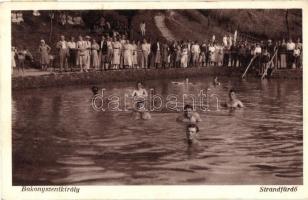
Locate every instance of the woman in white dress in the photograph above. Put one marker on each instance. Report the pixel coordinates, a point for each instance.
(116, 53)
(184, 56)
(94, 54)
(212, 54)
(220, 55)
(127, 54)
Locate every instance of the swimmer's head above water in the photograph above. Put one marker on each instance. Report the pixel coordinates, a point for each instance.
(94, 90)
(232, 95)
(192, 133)
(139, 85)
(188, 111)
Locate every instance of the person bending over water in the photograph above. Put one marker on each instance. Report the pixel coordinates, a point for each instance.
(233, 101)
(140, 95)
(189, 115)
(192, 134)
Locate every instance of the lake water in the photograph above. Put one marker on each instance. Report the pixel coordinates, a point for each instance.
(59, 139)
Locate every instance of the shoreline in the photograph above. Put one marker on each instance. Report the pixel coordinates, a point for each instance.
(54, 79)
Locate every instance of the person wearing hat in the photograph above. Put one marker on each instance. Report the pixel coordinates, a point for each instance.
(63, 53)
(44, 50)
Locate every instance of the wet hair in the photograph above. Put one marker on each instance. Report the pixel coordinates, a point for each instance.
(193, 126)
(231, 90)
(94, 90)
(187, 106)
(138, 83)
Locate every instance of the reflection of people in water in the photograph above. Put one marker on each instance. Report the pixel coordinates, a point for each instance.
(140, 95)
(189, 115)
(216, 82)
(192, 133)
(233, 101)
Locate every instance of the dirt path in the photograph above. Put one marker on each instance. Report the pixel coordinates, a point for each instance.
(160, 23)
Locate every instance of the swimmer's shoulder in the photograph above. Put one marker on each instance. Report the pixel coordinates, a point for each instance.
(197, 117)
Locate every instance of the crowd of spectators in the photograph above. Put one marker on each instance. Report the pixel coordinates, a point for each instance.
(114, 51)
(118, 52)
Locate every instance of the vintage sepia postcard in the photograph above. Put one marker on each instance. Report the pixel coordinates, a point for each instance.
(153, 100)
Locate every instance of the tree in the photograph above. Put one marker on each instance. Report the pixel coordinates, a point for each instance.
(287, 22)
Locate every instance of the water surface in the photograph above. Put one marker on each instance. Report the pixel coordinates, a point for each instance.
(58, 138)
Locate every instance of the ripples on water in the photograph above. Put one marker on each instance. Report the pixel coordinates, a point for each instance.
(59, 139)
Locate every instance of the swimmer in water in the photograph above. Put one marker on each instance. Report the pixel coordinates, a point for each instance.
(140, 95)
(189, 115)
(233, 101)
(216, 82)
(192, 131)
(94, 90)
(186, 82)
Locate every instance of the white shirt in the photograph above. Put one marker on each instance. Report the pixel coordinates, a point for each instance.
(88, 45)
(296, 52)
(195, 48)
(212, 49)
(81, 45)
(71, 45)
(257, 50)
(225, 41)
(63, 44)
(290, 46)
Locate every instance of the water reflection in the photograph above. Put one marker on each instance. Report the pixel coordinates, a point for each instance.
(59, 139)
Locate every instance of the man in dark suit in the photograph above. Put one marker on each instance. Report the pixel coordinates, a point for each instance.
(103, 53)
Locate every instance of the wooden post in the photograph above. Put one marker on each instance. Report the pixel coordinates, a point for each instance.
(244, 74)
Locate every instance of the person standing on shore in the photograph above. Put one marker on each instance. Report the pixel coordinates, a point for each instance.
(145, 53)
(81, 47)
(72, 53)
(127, 55)
(134, 55)
(109, 52)
(184, 56)
(63, 53)
(94, 55)
(195, 50)
(140, 60)
(282, 50)
(103, 53)
(116, 53)
(88, 52)
(14, 52)
(44, 50)
(290, 50)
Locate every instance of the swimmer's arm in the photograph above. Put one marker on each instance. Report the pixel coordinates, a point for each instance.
(198, 118)
(134, 93)
(145, 93)
(240, 104)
